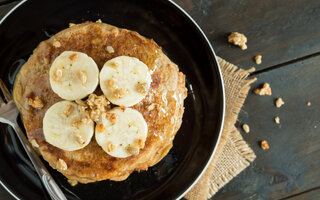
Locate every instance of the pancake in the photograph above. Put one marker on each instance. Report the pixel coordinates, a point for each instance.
(162, 108)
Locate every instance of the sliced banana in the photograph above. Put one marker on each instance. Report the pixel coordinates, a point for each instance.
(65, 128)
(73, 75)
(125, 80)
(123, 133)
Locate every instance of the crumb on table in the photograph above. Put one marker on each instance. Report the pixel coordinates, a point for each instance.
(277, 120)
(265, 90)
(279, 102)
(264, 145)
(246, 128)
(258, 59)
(238, 39)
(308, 103)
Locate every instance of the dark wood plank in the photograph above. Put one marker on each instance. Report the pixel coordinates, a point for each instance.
(278, 30)
(5, 8)
(312, 195)
(4, 194)
(291, 165)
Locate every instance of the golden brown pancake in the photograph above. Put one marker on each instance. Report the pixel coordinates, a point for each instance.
(167, 93)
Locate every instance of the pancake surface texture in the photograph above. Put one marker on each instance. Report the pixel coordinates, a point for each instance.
(162, 108)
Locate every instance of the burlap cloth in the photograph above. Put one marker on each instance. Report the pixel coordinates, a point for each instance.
(233, 154)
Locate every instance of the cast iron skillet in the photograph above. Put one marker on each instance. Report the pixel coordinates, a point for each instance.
(31, 22)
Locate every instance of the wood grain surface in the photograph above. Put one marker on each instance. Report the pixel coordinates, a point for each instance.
(287, 35)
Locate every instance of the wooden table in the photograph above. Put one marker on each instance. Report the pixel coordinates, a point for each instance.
(287, 35)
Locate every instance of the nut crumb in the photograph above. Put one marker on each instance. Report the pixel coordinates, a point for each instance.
(277, 120)
(151, 106)
(36, 102)
(264, 145)
(110, 49)
(258, 59)
(315, 126)
(71, 24)
(308, 103)
(133, 150)
(34, 143)
(123, 108)
(120, 93)
(101, 128)
(99, 21)
(246, 128)
(110, 147)
(142, 88)
(68, 110)
(72, 182)
(140, 143)
(56, 44)
(238, 39)
(62, 165)
(279, 102)
(73, 56)
(265, 90)
(83, 77)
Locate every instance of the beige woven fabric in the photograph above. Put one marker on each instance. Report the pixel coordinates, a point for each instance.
(233, 154)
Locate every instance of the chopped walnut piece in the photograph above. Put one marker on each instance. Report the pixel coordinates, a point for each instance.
(79, 138)
(142, 87)
(101, 128)
(97, 102)
(71, 24)
(110, 49)
(308, 103)
(151, 106)
(279, 102)
(34, 143)
(56, 44)
(114, 65)
(238, 39)
(120, 93)
(57, 75)
(73, 56)
(111, 84)
(258, 59)
(36, 102)
(246, 128)
(264, 145)
(62, 165)
(133, 150)
(83, 77)
(72, 182)
(99, 21)
(68, 110)
(110, 147)
(277, 120)
(265, 90)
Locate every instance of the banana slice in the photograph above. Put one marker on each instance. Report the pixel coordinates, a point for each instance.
(73, 75)
(125, 80)
(65, 128)
(123, 133)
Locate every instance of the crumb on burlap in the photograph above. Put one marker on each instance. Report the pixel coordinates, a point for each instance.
(238, 39)
(265, 90)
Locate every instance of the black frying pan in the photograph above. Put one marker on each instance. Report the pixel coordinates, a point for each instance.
(185, 44)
